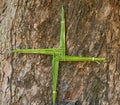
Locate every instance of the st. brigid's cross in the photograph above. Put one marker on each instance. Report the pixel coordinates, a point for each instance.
(58, 55)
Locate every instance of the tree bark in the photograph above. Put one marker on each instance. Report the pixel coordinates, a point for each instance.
(92, 29)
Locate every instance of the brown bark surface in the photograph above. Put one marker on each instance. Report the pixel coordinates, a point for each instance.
(92, 29)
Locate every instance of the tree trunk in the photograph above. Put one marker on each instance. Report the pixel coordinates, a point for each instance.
(92, 29)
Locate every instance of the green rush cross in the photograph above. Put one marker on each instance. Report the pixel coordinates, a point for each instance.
(58, 55)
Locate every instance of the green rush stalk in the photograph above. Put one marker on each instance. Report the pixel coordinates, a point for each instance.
(58, 55)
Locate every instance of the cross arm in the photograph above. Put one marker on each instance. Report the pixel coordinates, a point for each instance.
(75, 58)
(62, 33)
(37, 51)
(55, 65)
(49, 51)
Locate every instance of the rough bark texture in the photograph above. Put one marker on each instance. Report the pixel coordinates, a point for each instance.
(92, 29)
